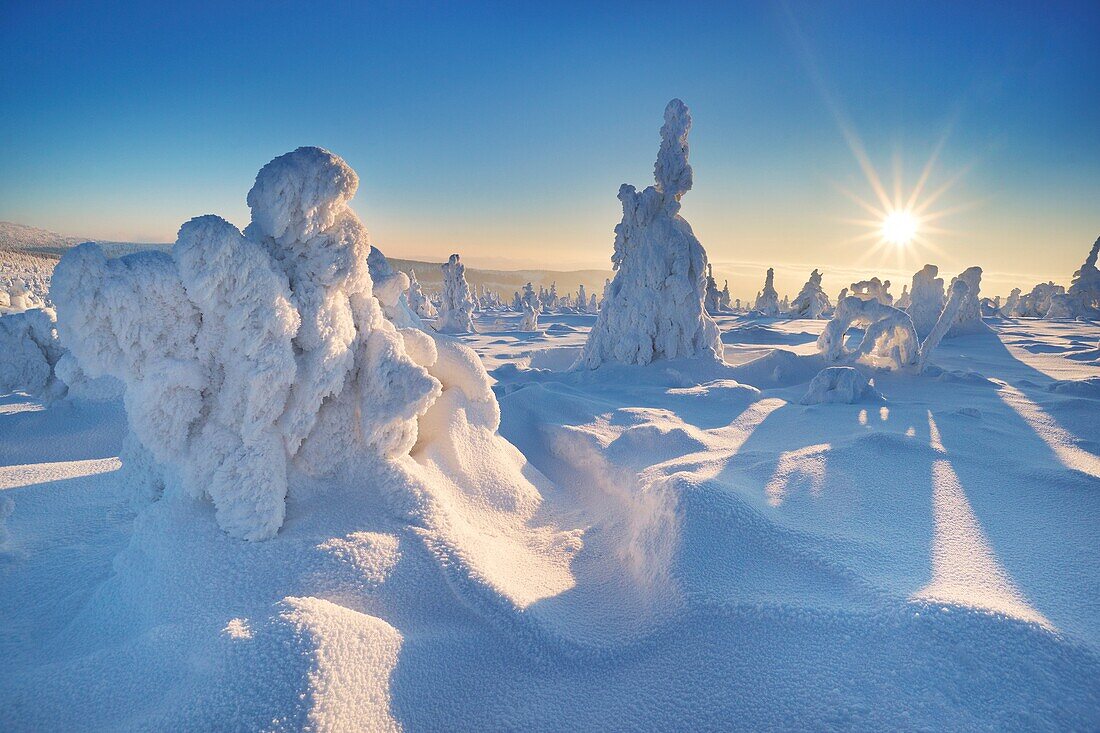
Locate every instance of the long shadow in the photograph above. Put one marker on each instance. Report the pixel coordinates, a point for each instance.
(1041, 517)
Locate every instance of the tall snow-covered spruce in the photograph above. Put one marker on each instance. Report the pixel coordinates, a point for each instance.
(653, 309)
(767, 301)
(245, 357)
(457, 307)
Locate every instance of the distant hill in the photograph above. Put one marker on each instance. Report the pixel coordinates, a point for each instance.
(32, 240)
(507, 282)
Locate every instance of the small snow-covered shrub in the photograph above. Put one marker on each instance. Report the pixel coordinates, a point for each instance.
(457, 307)
(29, 350)
(840, 384)
(654, 307)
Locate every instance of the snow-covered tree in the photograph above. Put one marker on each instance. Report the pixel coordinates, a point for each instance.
(1036, 303)
(592, 306)
(767, 300)
(417, 300)
(654, 308)
(712, 299)
(926, 299)
(724, 296)
(969, 318)
(904, 300)
(873, 289)
(811, 301)
(1083, 295)
(457, 305)
(1013, 302)
(582, 299)
(241, 354)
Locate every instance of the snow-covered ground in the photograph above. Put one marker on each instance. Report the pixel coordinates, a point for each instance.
(707, 553)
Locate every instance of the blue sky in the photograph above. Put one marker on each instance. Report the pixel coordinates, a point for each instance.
(503, 131)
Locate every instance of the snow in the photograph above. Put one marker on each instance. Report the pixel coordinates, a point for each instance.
(457, 306)
(653, 309)
(767, 301)
(811, 301)
(840, 384)
(926, 299)
(969, 317)
(467, 532)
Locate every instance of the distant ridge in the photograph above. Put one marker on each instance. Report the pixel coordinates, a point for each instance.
(32, 240)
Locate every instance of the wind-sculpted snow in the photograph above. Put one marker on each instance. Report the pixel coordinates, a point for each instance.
(653, 309)
(926, 299)
(873, 289)
(240, 353)
(29, 351)
(840, 385)
(968, 320)
(889, 338)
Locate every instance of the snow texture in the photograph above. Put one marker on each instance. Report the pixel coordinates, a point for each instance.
(767, 300)
(873, 289)
(457, 307)
(889, 339)
(811, 301)
(241, 353)
(1083, 296)
(969, 318)
(653, 309)
(926, 299)
(840, 384)
(29, 351)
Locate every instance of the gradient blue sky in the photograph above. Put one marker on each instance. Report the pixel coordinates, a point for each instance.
(503, 131)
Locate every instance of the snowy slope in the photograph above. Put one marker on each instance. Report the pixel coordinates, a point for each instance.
(735, 560)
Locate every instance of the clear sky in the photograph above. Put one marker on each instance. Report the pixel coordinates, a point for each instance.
(502, 131)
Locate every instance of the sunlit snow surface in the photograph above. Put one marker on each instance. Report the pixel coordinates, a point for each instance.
(738, 560)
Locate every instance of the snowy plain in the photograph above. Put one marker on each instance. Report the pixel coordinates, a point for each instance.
(707, 553)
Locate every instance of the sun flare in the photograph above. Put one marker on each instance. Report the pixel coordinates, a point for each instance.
(899, 228)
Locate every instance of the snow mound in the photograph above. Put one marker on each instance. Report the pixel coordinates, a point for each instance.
(653, 309)
(28, 342)
(840, 385)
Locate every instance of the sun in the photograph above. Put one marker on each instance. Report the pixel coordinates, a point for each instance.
(899, 228)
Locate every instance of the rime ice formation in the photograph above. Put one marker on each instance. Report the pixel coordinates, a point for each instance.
(712, 300)
(29, 351)
(767, 300)
(903, 300)
(889, 337)
(969, 319)
(958, 293)
(926, 299)
(654, 308)
(873, 289)
(1010, 306)
(1060, 309)
(244, 355)
(840, 384)
(593, 307)
(1036, 303)
(582, 299)
(1083, 295)
(457, 306)
(417, 300)
(724, 296)
(531, 306)
(811, 301)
